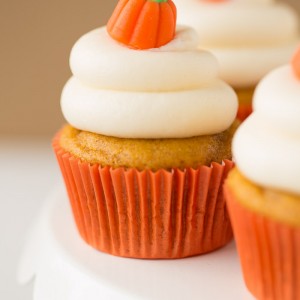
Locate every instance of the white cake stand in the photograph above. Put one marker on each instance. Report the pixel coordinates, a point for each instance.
(65, 268)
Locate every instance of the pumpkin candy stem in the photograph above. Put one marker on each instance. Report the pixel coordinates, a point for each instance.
(143, 24)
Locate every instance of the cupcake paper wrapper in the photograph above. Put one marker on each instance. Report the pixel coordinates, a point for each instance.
(145, 214)
(244, 111)
(269, 253)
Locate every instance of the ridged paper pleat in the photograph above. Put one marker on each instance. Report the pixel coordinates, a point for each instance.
(269, 253)
(145, 214)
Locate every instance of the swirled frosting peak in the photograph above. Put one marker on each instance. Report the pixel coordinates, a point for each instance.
(249, 37)
(167, 92)
(267, 145)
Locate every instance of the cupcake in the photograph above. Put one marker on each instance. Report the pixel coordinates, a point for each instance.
(249, 38)
(263, 191)
(148, 144)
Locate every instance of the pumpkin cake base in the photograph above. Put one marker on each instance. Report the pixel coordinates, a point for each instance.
(151, 154)
(277, 205)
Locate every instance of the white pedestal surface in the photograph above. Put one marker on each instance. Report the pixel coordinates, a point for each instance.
(65, 268)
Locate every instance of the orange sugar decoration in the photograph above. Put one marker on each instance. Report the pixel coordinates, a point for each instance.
(296, 63)
(143, 24)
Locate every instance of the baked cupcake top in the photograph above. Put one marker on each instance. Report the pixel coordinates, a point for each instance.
(266, 147)
(249, 37)
(125, 89)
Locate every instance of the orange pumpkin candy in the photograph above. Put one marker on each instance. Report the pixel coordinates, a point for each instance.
(296, 63)
(143, 24)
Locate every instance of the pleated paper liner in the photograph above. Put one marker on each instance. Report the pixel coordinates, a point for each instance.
(269, 253)
(244, 111)
(145, 214)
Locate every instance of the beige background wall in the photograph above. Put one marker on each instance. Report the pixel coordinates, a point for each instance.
(35, 41)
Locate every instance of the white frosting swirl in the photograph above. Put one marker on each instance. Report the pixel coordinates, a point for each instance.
(242, 33)
(245, 67)
(267, 145)
(150, 115)
(99, 61)
(168, 92)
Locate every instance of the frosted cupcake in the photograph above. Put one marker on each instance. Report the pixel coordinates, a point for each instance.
(149, 141)
(249, 38)
(263, 192)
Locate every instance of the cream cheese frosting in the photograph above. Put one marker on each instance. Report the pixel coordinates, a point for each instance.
(177, 114)
(266, 147)
(241, 33)
(99, 61)
(167, 92)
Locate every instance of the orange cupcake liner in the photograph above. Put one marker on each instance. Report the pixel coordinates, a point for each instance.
(244, 111)
(269, 253)
(145, 214)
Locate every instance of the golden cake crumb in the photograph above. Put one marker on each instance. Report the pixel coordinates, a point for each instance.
(151, 154)
(278, 205)
(245, 95)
